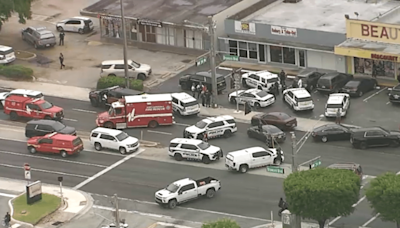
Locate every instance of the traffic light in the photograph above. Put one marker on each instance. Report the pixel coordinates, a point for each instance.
(247, 108)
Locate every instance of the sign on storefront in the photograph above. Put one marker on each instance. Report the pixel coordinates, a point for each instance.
(366, 54)
(245, 27)
(373, 31)
(145, 22)
(283, 31)
(391, 58)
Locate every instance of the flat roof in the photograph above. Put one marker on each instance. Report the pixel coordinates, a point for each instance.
(371, 45)
(173, 11)
(323, 15)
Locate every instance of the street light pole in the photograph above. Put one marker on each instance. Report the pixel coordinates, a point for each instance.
(294, 150)
(211, 32)
(125, 44)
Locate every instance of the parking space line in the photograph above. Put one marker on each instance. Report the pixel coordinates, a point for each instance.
(374, 94)
(52, 159)
(83, 110)
(182, 124)
(371, 220)
(72, 120)
(159, 132)
(45, 171)
(387, 102)
(339, 217)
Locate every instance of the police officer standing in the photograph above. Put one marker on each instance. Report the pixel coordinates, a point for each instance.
(62, 35)
(7, 220)
(282, 77)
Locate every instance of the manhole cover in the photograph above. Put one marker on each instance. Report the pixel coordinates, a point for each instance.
(186, 60)
(57, 223)
(82, 203)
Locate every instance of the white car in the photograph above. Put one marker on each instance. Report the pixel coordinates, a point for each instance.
(116, 68)
(254, 157)
(184, 104)
(113, 139)
(7, 54)
(299, 99)
(257, 98)
(76, 24)
(337, 101)
(262, 80)
(193, 149)
(20, 92)
(214, 127)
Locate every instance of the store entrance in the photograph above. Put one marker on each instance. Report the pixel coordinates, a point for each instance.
(375, 68)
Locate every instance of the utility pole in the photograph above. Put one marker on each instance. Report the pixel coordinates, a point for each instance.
(117, 222)
(125, 44)
(294, 150)
(211, 33)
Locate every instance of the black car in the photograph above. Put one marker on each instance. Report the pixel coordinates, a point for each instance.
(359, 86)
(109, 95)
(254, 132)
(333, 82)
(331, 132)
(43, 127)
(374, 137)
(188, 80)
(309, 78)
(394, 95)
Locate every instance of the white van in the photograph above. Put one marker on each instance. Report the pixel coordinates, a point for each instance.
(262, 80)
(337, 101)
(184, 104)
(7, 54)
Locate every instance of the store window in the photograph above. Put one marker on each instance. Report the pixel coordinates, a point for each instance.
(252, 51)
(148, 33)
(233, 47)
(375, 68)
(171, 36)
(133, 34)
(289, 55)
(275, 54)
(302, 58)
(243, 49)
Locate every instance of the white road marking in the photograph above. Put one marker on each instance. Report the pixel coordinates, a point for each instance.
(16, 140)
(371, 220)
(52, 159)
(359, 201)
(315, 91)
(182, 124)
(72, 120)
(7, 195)
(45, 171)
(99, 174)
(334, 220)
(172, 225)
(374, 94)
(159, 132)
(354, 205)
(83, 110)
(387, 102)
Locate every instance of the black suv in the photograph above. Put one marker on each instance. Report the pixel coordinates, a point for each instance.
(309, 78)
(187, 81)
(374, 137)
(333, 82)
(109, 95)
(43, 127)
(394, 94)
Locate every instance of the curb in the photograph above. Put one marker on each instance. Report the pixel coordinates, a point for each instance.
(26, 59)
(83, 211)
(12, 213)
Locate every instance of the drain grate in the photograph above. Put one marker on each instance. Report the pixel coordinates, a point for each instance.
(82, 203)
(57, 223)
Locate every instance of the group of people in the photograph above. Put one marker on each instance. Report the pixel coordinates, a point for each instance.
(200, 91)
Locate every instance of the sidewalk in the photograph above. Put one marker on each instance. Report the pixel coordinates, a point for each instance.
(76, 203)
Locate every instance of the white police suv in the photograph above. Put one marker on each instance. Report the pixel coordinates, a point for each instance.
(257, 98)
(193, 149)
(299, 99)
(214, 127)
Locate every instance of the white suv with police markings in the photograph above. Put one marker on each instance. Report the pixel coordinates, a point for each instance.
(262, 80)
(337, 101)
(213, 127)
(299, 99)
(184, 104)
(257, 98)
(193, 149)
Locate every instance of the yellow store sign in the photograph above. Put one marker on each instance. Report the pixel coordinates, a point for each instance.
(366, 54)
(373, 31)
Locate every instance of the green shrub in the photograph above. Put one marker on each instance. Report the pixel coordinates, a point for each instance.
(105, 82)
(16, 72)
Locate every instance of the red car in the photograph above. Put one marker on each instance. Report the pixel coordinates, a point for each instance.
(279, 119)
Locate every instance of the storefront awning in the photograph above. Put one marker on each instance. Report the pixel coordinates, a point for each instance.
(369, 50)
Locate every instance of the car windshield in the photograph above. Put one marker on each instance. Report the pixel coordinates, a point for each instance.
(201, 124)
(172, 187)
(111, 111)
(271, 129)
(324, 82)
(58, 126)
(334, 105)
(46, 105)
(188, 104)
(122, 136)
(77, 142)
(135, 64)
(262, 94)
(203, 145)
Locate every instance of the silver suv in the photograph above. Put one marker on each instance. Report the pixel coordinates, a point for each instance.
(39, 37)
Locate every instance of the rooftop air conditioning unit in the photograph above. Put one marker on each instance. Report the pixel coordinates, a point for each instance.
(293, 1)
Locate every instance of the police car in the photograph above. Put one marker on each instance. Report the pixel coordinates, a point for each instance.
(299, 99)
(213, 127)
(337, 101)
(193, 149)
(262, 80)
(255, 97)
(184, 104)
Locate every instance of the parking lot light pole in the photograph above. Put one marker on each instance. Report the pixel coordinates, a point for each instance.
(294, 149)
(125, 44)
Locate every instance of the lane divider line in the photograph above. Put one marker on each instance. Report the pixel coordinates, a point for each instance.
(159, 132)
(72, 120)
(83, 110)
(45, 171)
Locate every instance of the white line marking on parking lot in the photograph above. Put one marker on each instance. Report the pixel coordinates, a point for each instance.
(101, 173)
(52, 159)
(374, 94)
(182, 124)
(7, 195)
(45, 171)
(334, 220)
(72, 120)
(83, 110)
(387, 102)
(159, 132)
(371, 220)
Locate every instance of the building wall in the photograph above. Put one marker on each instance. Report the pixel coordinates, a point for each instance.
(324, 60)
(304, 36)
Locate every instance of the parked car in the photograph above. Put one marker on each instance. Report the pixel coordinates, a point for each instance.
(256, 98)
(107, 96)
(299, 99)
(39, 37)
(20, 92)
(279, 119)
(55, 143)
(114, 68)
(335, 102)
(333, 82)
(374, 137)
(204, 78)
(309, 78)
(262, 80)
(394, 94)
(75, 24)
(43, 127)
(266, 130)
(113, 139)
(331, 132)
(7, 54)
(359, 86)
(185, 190)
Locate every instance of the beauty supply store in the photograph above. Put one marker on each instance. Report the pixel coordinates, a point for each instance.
(372, 49)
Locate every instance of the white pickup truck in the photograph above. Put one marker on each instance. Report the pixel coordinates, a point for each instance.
(187, 189)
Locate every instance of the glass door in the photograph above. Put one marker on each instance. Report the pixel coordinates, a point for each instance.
(261, 53)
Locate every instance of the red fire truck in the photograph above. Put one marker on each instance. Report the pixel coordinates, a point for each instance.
(147, 110)
(18, 106)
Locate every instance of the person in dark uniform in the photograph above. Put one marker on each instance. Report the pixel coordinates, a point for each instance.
(276, 89)
(338, 117)
(203, 98)
(282, 77)
(61, 58)
(295, 83)
(62, 35)
(208, 98)
(7, 219)
(260, 126)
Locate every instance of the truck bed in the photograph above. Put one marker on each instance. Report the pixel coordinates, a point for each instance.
(204, 181)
